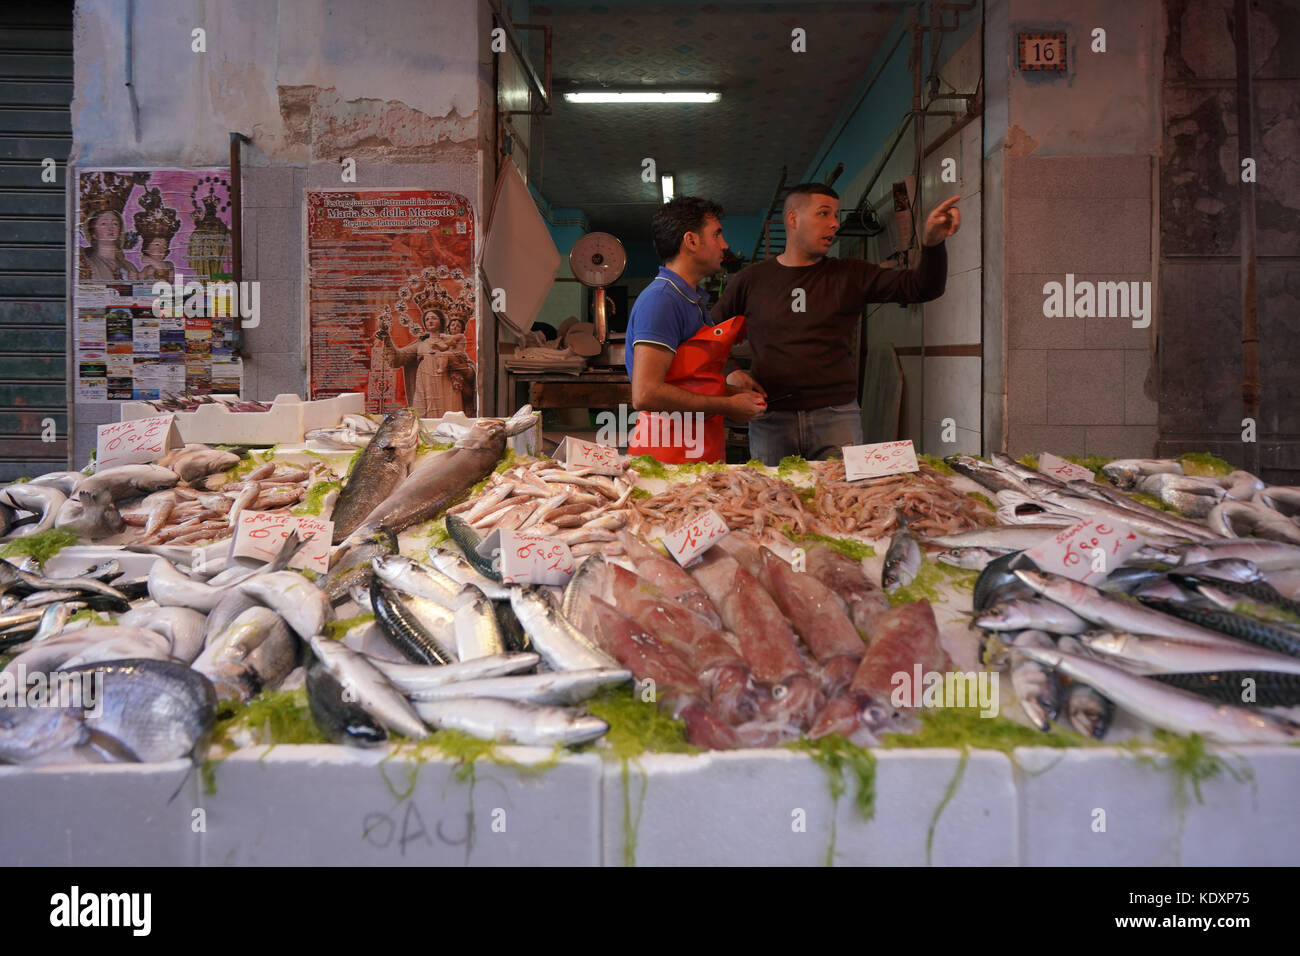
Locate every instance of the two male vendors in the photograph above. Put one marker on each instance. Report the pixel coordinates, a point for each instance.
(799, 309)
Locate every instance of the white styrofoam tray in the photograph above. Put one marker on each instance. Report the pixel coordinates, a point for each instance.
(288, 419)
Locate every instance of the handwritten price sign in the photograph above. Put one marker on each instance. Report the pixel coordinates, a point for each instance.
(528, 558)
(1088, 551)
(882, 458)
(576, 453)
(135, 443)
(688, 543)
(260, 535)
(1063, 470)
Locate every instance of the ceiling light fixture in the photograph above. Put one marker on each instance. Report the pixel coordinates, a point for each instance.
(643, 96)
(666, 186)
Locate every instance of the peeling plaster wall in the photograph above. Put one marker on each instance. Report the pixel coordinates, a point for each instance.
(404, 87)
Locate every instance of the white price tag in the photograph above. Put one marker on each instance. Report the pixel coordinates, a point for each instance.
(602, 459)
(1063, 470)
(882, 458)
(260, 535)
(135, 443)
(1088, 551)
(689, 542)
(528, 558)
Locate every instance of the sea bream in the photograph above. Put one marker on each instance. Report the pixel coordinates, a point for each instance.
(383, 465)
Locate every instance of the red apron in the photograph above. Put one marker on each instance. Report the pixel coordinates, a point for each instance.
(697, 367)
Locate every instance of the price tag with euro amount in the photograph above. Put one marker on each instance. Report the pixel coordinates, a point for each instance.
(882, 458)
(1087, 551)
(261, 534)
(689, 542)
(1063, 470)
(526, 558)
(135, 443)
(602, 459)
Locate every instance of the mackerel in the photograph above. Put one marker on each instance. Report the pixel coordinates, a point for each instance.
(562, 646)
(421, 629)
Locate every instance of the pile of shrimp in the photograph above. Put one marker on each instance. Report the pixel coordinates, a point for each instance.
(870, 507)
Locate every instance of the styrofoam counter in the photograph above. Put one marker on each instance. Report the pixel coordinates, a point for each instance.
(331, 805)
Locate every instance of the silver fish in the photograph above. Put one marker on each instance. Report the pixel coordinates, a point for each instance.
(411, 576)
(91, 644)
(363, 681)
(128, 481)
(554, 688)
(254, 651)
(1168, 707)
(1165, 655)
(513, 722)
(41, 500)
(336, 711)
(477, 632)
(458, 569)
(1008, 539)
(65, 481)
(1088, 712)
(415, 679)
(1035, 614)
(1265, 555)
(303, 606)
(902, 560)
(1127, 472)
(562, 646)
(1240, 519)
(182, 626)
(1037, 688)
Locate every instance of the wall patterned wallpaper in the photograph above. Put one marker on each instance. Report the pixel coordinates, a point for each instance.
(776, 105)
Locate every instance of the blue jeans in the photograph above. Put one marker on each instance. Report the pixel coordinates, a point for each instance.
(816, 433)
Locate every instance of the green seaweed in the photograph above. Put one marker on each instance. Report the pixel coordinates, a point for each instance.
(337, 630)
(1189, 760)
(41, 546)
(792, 464)
(938, 464)
(839, 758)
(1204, 464)
(315, 498)
(1151, 501)
(699, 467)
(981, 497)
(948, 794)
(422, 448)
(641, 493)
(237, 471)
(309, 573)
(926, 584)
(273, 717)
(508, 461)
(437, 532)
(1091, 462)
(649, 467)
(964, 727)
(352, 462)
(849, 547)
(1029, 461)
(637, 726)
(754, 463)
(95, 618)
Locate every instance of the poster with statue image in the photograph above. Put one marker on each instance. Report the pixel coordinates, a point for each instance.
(137, 227)
(392, 298)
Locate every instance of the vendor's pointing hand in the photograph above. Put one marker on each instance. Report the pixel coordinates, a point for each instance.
(943, 221)
(744, 406)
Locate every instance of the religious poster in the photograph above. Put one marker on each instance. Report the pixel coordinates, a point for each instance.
(392, 298)
(137, 228)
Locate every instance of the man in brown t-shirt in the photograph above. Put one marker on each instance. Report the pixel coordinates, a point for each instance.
(801, 309)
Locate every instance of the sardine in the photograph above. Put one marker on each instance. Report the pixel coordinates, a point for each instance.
(1177, 710)
(383, 465)
(363, 681)
(513, 722)
(1010, 539)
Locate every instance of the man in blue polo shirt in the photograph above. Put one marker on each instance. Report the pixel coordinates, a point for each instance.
(674, 353)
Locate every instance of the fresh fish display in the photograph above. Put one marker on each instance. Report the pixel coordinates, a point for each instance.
(1273, 637)
(255, 650)
(462, 572)
(1127, 472)
(383, 465)
(336, 712)
(554, 688)
(563, 647)
(371, 689)
(43, 501)
(1168, 707)
(1087, 711)
(1240, 688)
(424, 630)
(1039, 615)
(1037, 688)
(478, 634)
(1243, 519)
(414, 679)
(1165, 655)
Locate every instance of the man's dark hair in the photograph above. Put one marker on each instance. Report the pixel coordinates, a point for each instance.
(797, 194)
(673, 220)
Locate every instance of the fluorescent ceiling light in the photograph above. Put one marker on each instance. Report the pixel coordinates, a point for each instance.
(666, 186)
(643, 96)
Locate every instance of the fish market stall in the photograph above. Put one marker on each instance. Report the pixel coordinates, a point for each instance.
(399, 642)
